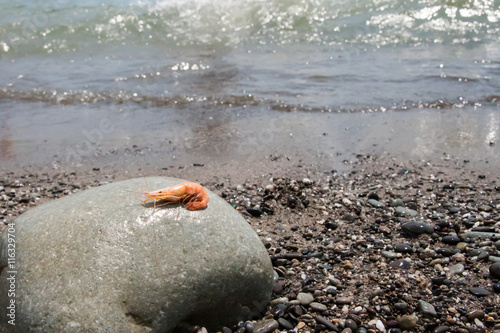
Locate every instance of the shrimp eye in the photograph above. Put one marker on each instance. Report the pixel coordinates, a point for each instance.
(159, 192)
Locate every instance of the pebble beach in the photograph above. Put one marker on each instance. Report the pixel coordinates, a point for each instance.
(386, 246)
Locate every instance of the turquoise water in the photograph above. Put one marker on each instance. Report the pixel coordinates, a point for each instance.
(232, 67)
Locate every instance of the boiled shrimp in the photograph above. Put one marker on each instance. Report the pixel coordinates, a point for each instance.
(193, 195)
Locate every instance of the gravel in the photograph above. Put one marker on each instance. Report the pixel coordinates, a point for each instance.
(365, 264)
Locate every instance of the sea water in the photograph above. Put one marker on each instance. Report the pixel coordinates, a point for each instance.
(214, 79)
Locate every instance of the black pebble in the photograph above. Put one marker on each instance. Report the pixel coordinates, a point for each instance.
(403, 248)
(452, 240)
(285, 324)
(495, 270)
(445, 252)
(328, 324)
(401, 264)
(479, 291)
(249, 328)
(415, 228)
(255, 212)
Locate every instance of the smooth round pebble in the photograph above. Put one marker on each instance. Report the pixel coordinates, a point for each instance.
(407, 322)
(495, 270)
(426, 309)
(400, 264)
(403, 248)
(457, 269)
(376, 203)
(285, 324)
(344, 300)
(442, 329)
(451, 240)
(389, 254)
(416, 228)
(266, 326)
(305, 298)
(318, 307)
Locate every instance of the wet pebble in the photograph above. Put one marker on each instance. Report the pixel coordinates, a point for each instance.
(401, 264)
(426, 309)
(445, 252)
(478, 291)
(344, 300)
(442, 329)
(404, 248)
(495, 270)
(305, 298)
(407, 322)
(376, 203)
(475, 314)
(451, 240)
(401, 307)
(397, 203)
(457, 269)
(318, 307)
(389, 254)
(285, 324)
(249, 327)
(416, 228)
(266, 326)
(402, 211)
(485, 208)
(327, 323)
(350, 323)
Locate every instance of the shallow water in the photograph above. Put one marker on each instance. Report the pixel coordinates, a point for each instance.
(214, 80)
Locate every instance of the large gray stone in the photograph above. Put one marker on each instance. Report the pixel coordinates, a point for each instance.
(100, 261)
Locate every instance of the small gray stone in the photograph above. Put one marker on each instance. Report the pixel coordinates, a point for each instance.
(407, 322)
(376, 203)
(344, 300)
(457, 269)
(266, 326)
(478, 291)
(305, 298)
(402, 211)
(477, 234)
(327, 323)
(442, 329)
(485, 208)
(494, 259)
(318, 307)
(401, 306)
(389, 254)
(101, 261)
(426, 309)
(349, 217)
(397, 203)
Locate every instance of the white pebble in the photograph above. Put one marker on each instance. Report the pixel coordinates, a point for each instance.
(380, 326)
